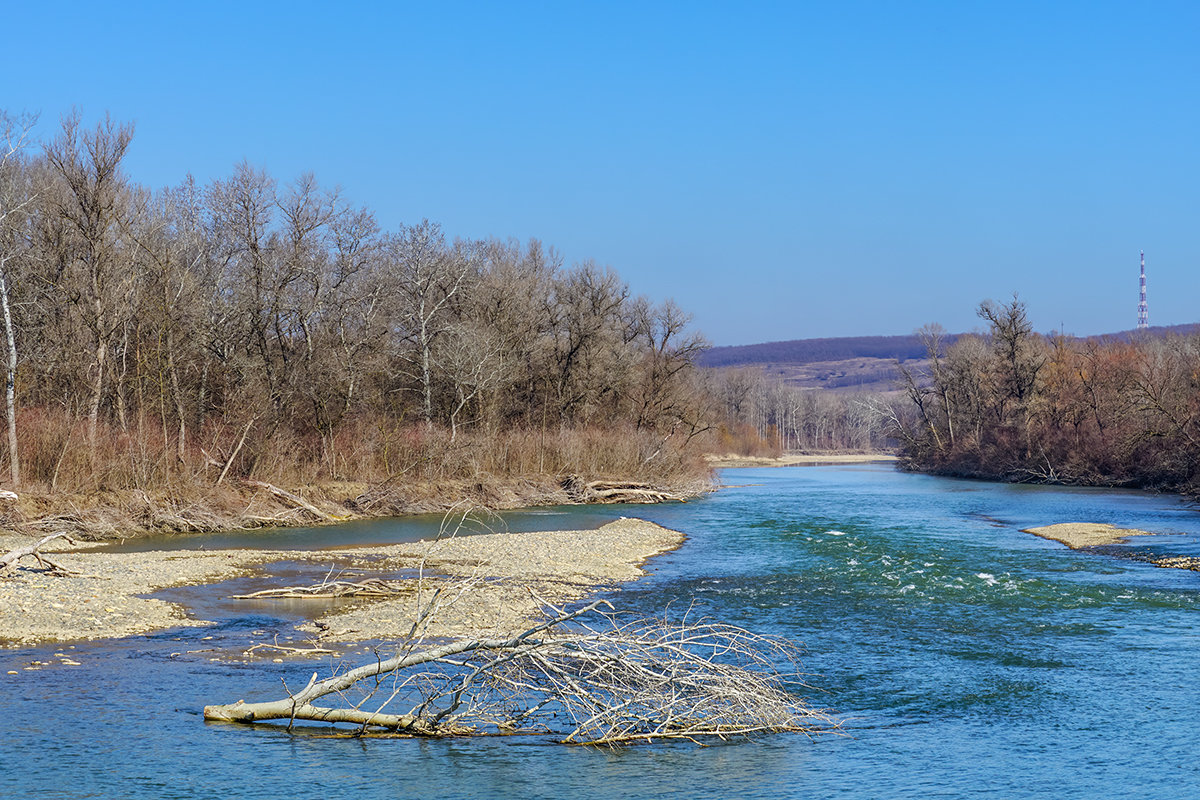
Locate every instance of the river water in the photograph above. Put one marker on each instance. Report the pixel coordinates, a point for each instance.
(965, 657)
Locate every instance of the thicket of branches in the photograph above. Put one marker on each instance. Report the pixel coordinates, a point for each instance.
(1016, 405)
(249, 327)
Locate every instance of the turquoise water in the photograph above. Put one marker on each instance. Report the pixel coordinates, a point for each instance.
(967, 659)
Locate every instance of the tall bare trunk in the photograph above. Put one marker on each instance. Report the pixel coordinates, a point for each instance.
(10, 382)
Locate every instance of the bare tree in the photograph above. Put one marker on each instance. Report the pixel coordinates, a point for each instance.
(89, 165)
(473, 362)
(590, 359)
(16, 198)
(430, 278)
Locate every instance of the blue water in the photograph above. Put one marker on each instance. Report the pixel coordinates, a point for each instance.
(966, 658)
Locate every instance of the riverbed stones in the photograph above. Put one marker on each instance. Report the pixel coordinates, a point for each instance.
(508, 571)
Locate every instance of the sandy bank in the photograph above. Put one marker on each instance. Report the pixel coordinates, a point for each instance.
(508, 571)
(102, 601)
(1085, 534)
(795, 459)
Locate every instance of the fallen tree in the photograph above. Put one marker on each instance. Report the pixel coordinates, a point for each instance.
(584, 676)
(9, 560)
(295, 499)
(601, 491)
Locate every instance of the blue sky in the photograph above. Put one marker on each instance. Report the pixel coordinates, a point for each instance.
(783, 170)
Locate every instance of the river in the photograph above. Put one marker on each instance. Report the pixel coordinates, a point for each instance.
(965, 657)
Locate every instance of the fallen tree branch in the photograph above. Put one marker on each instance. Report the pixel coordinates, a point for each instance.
(283, 648)
(8, 562)
(372, 587)
(237, 449)
(630, 495)
(292, 498)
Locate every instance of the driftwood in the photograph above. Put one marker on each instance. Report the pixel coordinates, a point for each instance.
(608, 682)
(8, 562)
(629, 494)
(372, 587)
(616, 492)
(291, 498)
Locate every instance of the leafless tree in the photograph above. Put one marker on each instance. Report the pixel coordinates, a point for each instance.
(16, 200)
(430, 276)
(92, 204)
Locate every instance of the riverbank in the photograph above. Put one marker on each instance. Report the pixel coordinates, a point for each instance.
(112, 515)
(795, 459)
(508, 573)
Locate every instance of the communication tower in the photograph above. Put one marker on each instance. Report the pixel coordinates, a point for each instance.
(1143, 309)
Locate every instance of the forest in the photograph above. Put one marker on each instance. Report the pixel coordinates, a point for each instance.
(255, 328)
(1011, 404)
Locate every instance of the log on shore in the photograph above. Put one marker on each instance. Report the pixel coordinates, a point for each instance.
(616, 492)
(9, 560)
(294, 499)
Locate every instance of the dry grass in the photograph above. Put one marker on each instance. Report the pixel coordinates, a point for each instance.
(134, 480)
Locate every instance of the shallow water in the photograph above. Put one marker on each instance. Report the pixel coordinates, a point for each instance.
(967, 658)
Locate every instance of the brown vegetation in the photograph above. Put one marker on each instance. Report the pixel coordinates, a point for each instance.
(1015, 405)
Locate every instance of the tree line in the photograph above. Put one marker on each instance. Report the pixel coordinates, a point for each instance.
(248, 326)
(762, 415)
(1015, 405)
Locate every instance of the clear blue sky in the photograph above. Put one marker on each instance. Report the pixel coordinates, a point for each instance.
(782, 170)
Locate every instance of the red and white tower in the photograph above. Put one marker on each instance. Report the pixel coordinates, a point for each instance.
(1143, 309)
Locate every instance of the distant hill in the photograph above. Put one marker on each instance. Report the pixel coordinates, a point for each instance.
(903, 348)
(808, 351)
(853, 363)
